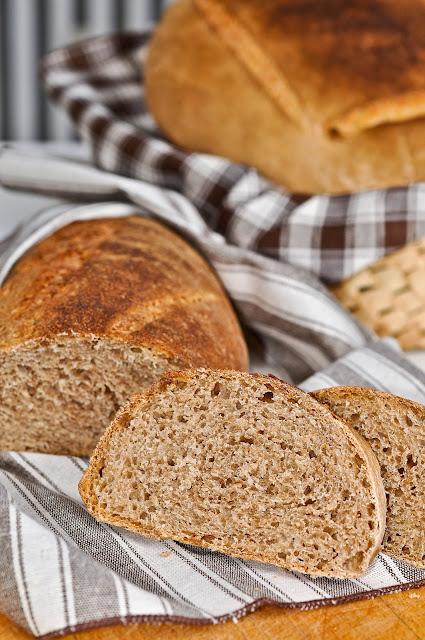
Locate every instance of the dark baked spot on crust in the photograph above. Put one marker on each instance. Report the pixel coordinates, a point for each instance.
(378, 42)
(119, 248)
(367, 35)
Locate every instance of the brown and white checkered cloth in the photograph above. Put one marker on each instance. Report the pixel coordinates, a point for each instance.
(99, 83)
(60, 570)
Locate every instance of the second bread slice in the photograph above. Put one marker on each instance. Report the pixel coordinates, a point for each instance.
(395, 429)
(244, 464)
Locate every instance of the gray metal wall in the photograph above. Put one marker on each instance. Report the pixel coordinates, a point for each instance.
(30, 28)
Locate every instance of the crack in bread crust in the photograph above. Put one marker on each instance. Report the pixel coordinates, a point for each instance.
(250, 54)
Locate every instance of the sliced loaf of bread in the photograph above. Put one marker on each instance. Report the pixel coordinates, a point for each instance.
(395, 429)
(244, 464)
(97, 312)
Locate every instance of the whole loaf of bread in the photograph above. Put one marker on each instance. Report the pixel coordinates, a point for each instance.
(96, 312)
(319, 95)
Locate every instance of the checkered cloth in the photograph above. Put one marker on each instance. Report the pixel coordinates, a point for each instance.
(99, 83)
(60, 569)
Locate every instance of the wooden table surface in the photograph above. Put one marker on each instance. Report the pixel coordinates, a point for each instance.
(398, 616)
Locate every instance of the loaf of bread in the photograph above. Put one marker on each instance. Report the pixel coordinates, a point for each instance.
(95, 313)
(244, 464)
(395, 429)
(319, 96)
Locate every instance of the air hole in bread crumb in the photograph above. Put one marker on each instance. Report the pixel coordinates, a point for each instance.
(358, 558)
(101, 471)
(208, 538)
(410, 462)
(409, 421)
(401, 471)
(216, 389)
(358, 460)
(267, 397)
(312, 454)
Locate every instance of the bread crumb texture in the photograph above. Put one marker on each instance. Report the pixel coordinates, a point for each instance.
(96, 312)
(59, 396)
(395, 429)
(244, 464)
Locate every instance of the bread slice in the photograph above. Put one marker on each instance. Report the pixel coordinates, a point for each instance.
(395, 429)
(98, 311)
(244, 464)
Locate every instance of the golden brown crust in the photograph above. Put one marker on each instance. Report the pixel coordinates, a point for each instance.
(392, 109)
(353, 68)
(371, 394)
(127, 279)
(128, 412)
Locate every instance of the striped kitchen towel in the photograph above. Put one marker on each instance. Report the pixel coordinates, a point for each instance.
(61, 570)
(99, 83)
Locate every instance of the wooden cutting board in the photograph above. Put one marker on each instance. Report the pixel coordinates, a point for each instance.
(392, 617)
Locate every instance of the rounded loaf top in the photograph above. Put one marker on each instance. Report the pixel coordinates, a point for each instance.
(128, 279)
(319, 95)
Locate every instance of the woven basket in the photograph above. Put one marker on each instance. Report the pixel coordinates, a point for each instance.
(389, 296)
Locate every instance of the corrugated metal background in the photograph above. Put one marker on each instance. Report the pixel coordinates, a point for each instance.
(30, 28)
